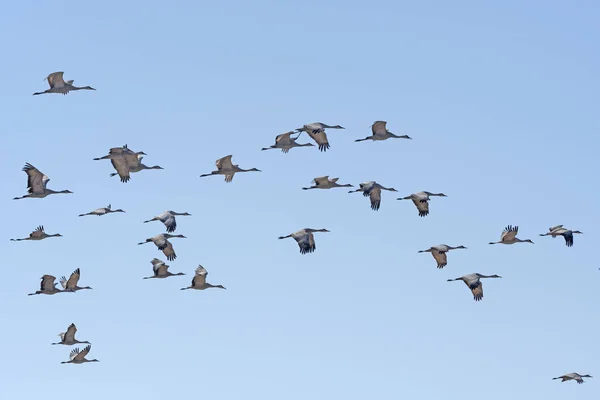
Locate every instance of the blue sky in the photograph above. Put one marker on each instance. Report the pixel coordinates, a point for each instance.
(501, 101)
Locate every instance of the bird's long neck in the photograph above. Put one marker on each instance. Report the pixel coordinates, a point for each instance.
(54, 235)
(384, 188)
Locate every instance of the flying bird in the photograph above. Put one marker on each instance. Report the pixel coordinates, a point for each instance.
(225, 167)
(161, 241)
(68, 337)
(199, 280)
(168, 219)
(573, 376)
(473, 282)
(58, 85)
(121, 158)
(372, 190)
(36, 184)
(161, 270)
(70, 285)
(285, 142)
(323, 182)
(439, 253)
(47, 286)
(305, 239)
(38, 234)
(509, 236)
(102, 211)
(78, 357)
(133, 166)
(559, 230)
(380, 132)
(316, 131)
(421, 201)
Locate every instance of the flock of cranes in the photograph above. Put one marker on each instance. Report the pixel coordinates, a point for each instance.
(126, 161)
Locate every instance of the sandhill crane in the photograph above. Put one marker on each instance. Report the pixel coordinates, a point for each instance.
(121, 158)
(102, 211)
(573, 376)
(136, 166)
(316, 131)
(285, 142)
(225, 167)
(380, 132)
(78, 357)
(305, 239)
(323, 182)
(473, 282)
(168, 219)
(509, 236)
(559, 230)
(161, 270)
(58, 85)
(161, 241)
(421, 201)
(47, 286)
(38, 234)
(372, 189)
(199, 280)
(36, 184)
(439, 253)
(68, 337)
(70, 285)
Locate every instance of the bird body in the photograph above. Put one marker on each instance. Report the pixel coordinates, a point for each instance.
(168, 219)
(305, 239)
(161, 241)
(70, 285)
(573, 376)
(560, 230)
(36, 184)
(161, 270)
(58, 85)
(199, 280)
(102, 211)
(372, 190)
(421, 201)
(78, 356)
(323, 182)
(68, 337)
(509, 236)
(473, 282)
(38, 234)
(439, 253)
(225, 167)
(285, 142)
(380, 132)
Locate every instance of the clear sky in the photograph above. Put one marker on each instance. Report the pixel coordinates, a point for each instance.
(502, 102)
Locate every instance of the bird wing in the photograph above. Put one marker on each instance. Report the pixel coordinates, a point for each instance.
(39, 232)
(70, 333)
(74, 279)
(440, 257)
(36, 180)
(160, 269)
(81, 355)
(160, 241)
(122, 167)
(422, 205)
(168, 251)
(156, 261)
(379, 128)
(555, 228)
(200, 276)
(73, 353)
(133, 160)
(284, 138)
(568, 235)
(55, 80)
(224, 163)
(319, 137)
(170, 222)
(375, 195)
(509, 233)
(321, 180)
(47, 282)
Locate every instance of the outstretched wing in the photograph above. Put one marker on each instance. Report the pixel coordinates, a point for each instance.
(284, 138)
(70, 333)
(168, 251)
(320, 137)
(47, 282)
(81, 355)
(440, 258)
(321, 180)
(509, 233)
(200, 276)
(422, 206)
(224, 163)
(74, 279)
(379, 128)
(38, 233)
(122, 167)
(36, 180)
(375, 195)
(55, 80)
